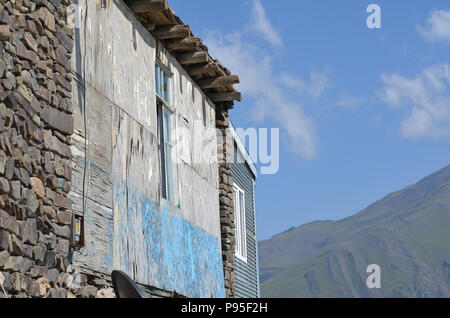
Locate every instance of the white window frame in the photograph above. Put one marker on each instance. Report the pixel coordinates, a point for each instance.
(164, 69)
(240, 224)
(165, 152)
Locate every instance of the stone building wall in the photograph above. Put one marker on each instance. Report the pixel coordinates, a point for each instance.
(36, 123)
(226, 156)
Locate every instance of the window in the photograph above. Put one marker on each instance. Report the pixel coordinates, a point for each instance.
(165, 147)
(181, 83)
(162, 83)
(239, 221)
(204, 112)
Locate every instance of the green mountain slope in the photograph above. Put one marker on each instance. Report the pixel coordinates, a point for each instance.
(407, 233)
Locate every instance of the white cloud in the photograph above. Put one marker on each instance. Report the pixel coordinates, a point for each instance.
(261, 24)
(260, 81)
(348, 101)
(318, 83)
(437, 28)
(426, 98)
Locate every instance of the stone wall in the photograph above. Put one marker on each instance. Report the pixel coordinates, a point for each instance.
(36, 123)
(226, 156)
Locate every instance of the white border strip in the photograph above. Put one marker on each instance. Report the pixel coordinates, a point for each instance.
(243, 150)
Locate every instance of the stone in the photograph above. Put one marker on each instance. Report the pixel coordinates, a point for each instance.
(22, 52)
(31, 42)
(61, 201)
(9, 169)
(14, 263)
(64, 39)
(62, 293)
(32, 203)
(16, 245)
(2, 68)
(4, 186)
(3, 160)
(31, 26)
(52, 241)
(60, 148)
(39, 253)
(62, 231)
(47, 18)
(88, 291)
(49, 258)
(64, 217)
(106, 293)
(39, 271)
(58, 120)
(38, 187)
(30, 234)
(49, 212)
(16, 282)
(9, 223)
(27, 264)
(27, 251)
(15, 190)
(63, 82)
(5, 241)
(63, 247)
(5, 33)
(43, 286)
(52, 275)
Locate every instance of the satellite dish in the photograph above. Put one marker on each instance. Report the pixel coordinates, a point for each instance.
(124, 287)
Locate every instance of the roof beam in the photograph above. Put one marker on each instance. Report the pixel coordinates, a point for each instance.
(225, 97)
(186, 44)
(142, 6)
(203, 68)
(218, 81)
(172, 32)
(193, 57)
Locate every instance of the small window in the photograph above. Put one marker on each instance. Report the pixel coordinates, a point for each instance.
(181, 83)
(165, 148)
(239, 221)
(205, 120)
(162, 84)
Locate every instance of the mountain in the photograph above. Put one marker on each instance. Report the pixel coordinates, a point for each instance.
(407, 234)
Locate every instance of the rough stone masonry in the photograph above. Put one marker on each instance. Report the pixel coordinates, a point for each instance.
(36, 123)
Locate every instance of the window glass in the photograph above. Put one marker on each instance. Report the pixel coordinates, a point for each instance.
(165, 152)
(162, 84)
(240, 227)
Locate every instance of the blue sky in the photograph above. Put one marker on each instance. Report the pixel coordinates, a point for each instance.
(362, 112)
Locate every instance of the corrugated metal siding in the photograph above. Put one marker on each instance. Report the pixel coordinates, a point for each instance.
(246, 273)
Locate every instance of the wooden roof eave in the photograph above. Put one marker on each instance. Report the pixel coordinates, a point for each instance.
(215, 80)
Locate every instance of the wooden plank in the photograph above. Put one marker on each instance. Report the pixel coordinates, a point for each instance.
(143, 6)
(96, 254)
(203, 68)
(172, 32)
(186, 44)
(193, 58)
(218, 81)
(225, 97)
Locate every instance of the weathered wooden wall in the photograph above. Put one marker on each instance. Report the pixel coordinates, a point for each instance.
(174, 246)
